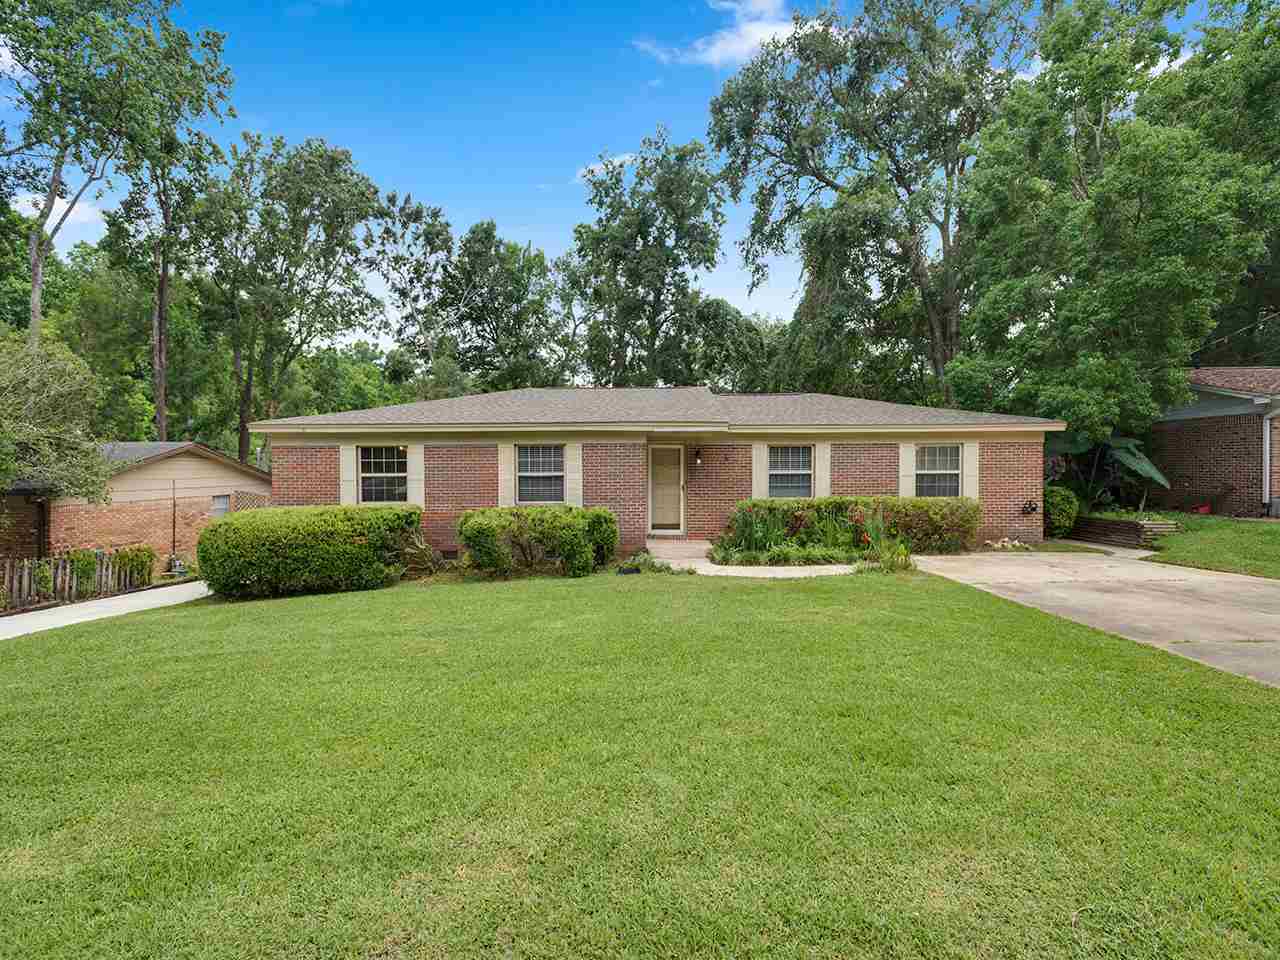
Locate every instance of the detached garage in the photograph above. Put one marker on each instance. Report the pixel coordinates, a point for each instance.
(162, 495)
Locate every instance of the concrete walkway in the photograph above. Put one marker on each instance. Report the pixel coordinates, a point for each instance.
(20, 624)
(692, 555)
(1226, 620)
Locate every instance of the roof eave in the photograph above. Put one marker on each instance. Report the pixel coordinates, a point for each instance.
(1254, 395)
(276, 427)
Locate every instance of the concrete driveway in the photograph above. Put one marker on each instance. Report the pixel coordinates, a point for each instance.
(1228, 621)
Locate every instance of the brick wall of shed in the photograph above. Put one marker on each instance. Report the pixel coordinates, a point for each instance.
(457, 479)
(304, 476)
(864, 469)
(616, 476)
(1010, 474)
(19, 527)
(1201, 457)
(110, 526)
(715, 488)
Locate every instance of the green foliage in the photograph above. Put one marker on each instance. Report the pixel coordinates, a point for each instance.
(786, 554)
(84, 567)
(632, 269)
(853, 138)
(646, 562)
(421, 559)
(574, 540)
(286, 550)
(138, 563)
(924, 524)
(1061, 507)
(1107, 240)
(887, 549)
(47, 400)
(42, 578)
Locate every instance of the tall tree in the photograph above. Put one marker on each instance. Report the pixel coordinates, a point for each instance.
(658, 223)
(89, 79)
(496, 304)
(872, 124)
(284, 261)
(47, 396)
(1106, 242)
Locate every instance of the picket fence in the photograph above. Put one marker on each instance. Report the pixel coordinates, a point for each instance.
(20, 584)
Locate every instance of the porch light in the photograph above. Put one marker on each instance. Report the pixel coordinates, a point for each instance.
(697, 457)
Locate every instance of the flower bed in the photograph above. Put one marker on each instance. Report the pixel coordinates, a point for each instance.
(831, 530)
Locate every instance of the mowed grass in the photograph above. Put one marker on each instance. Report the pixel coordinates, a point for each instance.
(637, 766)
(1223, 543)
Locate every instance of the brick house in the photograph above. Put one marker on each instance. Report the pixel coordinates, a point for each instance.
(1224, 447)
(667, 461)
(161, 494)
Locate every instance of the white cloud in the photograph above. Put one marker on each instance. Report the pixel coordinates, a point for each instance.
(592, 168)
(754, 23)
(82, 214)
(1164, 65)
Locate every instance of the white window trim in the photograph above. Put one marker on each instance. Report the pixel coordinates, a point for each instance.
(769, 471)
(561, 473)
(958, 473)
(360, 474)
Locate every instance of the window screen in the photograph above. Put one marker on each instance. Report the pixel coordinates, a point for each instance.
(540, 474)
(221, 504)
(384, 474)
(938, 471)
(791, 471)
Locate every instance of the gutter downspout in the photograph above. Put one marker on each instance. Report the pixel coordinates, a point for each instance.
(1270, 508)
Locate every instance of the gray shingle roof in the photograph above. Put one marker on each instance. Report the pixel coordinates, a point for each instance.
(641, 405)
(129, 451)
(1262, 381)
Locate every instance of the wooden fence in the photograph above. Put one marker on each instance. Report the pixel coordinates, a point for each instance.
(25, 582)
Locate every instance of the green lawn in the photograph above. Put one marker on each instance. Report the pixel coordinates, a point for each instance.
(1223, 543)
(655, 766)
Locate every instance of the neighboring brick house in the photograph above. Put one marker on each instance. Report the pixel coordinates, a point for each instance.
(1224, 448)
(161, 494)
(667, 461)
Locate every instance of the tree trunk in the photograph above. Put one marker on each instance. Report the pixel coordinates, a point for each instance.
(35, 244)
(244, 389)
(160, 348)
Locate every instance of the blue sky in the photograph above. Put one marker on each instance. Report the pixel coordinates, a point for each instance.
(489, 110)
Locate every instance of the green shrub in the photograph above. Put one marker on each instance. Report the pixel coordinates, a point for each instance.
(42, 578)
(137, 563)
(501, 539)
(278, 551)
(886, 549)
(924, 524)
(783, 555)
(1061, 507)
(646, 562)
(84, 564)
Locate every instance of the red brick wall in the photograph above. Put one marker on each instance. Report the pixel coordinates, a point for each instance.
(1010, 474)
(864, 469)
(109, 526)
(304, 476)
(716, 487)
(1201, 456)
(616, 475)
(457, 479)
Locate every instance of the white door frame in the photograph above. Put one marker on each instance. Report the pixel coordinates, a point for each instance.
(649, 455)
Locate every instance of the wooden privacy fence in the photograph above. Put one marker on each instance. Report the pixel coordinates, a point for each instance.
(25, 582)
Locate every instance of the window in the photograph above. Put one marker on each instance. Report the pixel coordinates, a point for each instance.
(384, 474)
(540, 474)
(791, 471)
(221, 504)
(938, 471)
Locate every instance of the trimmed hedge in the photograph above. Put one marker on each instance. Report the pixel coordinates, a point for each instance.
(279, 551)
(576, 539)
(925, 524)
(1061, 508)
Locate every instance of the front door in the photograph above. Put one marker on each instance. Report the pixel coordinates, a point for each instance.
(666, 489)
